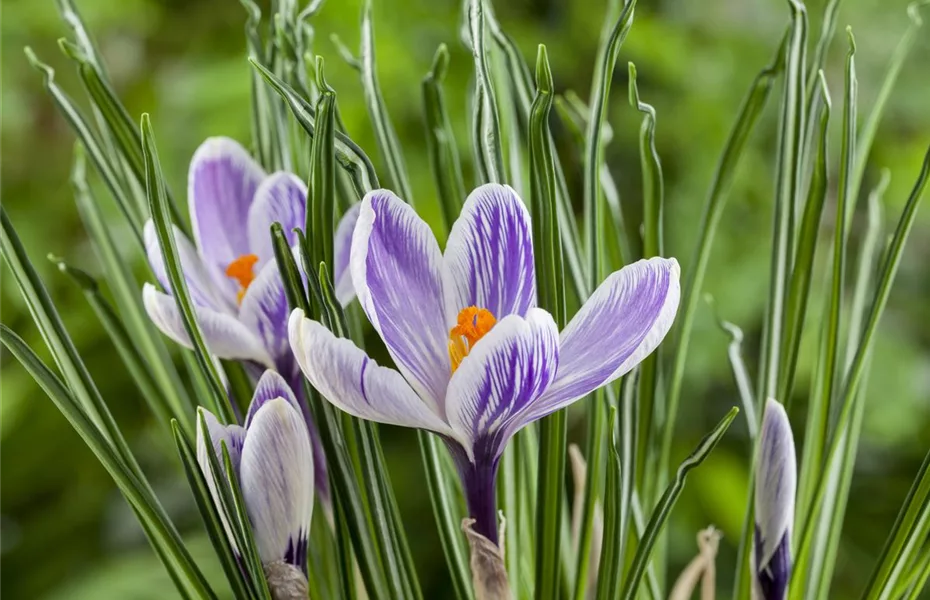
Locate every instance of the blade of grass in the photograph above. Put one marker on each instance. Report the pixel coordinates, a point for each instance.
(664, 507)
(487, 125)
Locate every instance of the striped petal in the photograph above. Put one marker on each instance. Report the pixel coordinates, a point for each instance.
(276, 474)
(776, 481)
(221, 184)
(396, 267)
(622, 322)
(224, 335)
(356, 384)
(280, 198)
(270, 386)
(342, 250)
(488, 260)
(264, 312)
(502, 376)
(197, 275)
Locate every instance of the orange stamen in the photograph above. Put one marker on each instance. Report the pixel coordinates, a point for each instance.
(473, 323)
(241, 270)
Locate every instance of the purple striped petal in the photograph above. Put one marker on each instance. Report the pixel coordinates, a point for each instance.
(224, 335)
(356, 384)
(771, 579)
(342, 250)
(622, 322)
(221, 184)
(396, 267)
(488, 260)
(776, 481)
(281, 198)
(264, 312)
(200, 281)
(505, 372)
(276, 474)
(212, 440)
(270, 386)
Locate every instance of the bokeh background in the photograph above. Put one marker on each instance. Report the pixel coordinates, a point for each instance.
(66, 533)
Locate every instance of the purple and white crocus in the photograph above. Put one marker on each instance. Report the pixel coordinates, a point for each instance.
(230, 270)
(776, 481)
(273, 461)
(476, 359)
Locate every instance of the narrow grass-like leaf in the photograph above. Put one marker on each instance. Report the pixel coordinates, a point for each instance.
(610, 572)
(91, 143)
(161, 533)
(905, 539)
(664, 507)
(850, 392)
(803, 268)
(384, 131)
(787, 194)
(740, 373)
(487, 125)
(440, 140)
(745, 122)
(321, 210)
(348, 154)
(128, 299)
(158, 206)
(870, 125)
(548, 256)
(125, 345)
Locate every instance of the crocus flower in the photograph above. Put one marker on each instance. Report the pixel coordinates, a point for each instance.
(476, 359)
(776, 479)
(231, 272)
(273, 460)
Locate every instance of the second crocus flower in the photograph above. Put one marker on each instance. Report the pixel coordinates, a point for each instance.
(476, 359)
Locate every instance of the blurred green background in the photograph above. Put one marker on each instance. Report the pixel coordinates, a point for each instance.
(66, 533)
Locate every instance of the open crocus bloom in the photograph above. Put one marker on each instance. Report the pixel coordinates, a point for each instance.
(776, 482)
(273, 460)
(476, 359)
(231, 272)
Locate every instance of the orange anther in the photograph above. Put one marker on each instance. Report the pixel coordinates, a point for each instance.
(472, 324)
(241, 270)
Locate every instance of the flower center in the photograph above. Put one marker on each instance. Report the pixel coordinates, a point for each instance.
(241, 270)
(473, 323)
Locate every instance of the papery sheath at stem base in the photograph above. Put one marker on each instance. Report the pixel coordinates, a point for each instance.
(489, 575)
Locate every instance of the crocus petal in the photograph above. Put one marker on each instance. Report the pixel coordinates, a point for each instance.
(622, 322)
(212, 440)
(225, 336)
(264, 312)
(356, 384)
(276, 475)
(396, 267)
(506, 371)
(281, 197)
(776, 480)
(488, 260)
(770, 581)
(221, 184)
(197, 275)
(270, 386)
(342, 250)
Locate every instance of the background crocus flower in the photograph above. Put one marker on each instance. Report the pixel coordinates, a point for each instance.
(476, 359)
(231, 271)
(273, 460)
(776, 480)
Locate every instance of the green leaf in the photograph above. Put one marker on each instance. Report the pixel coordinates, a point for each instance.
(440, 140)
(126, 292)
(487, 142)
(158, 528)
(664, 507)
(321, 208)
(745, 122)
(158, 205)
(610, 572)
(385, 135)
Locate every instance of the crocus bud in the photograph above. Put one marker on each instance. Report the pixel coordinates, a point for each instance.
(776, 480)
